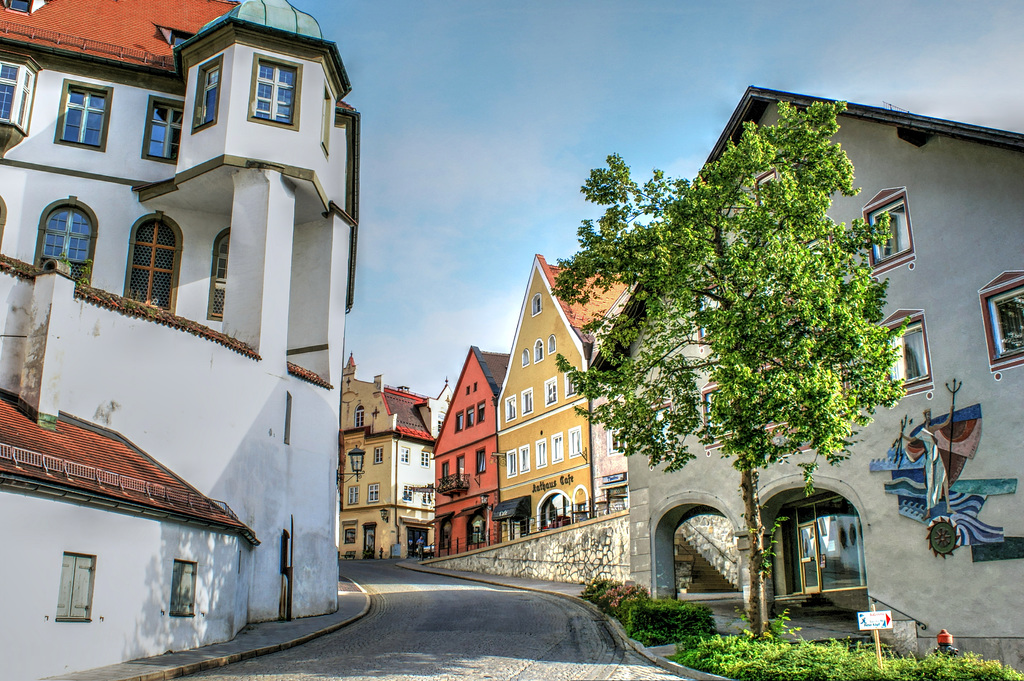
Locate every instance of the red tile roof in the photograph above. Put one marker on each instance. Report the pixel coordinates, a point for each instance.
(405, 407)
(598, 305)
(104, 467)
(308, 376)
(122, 30)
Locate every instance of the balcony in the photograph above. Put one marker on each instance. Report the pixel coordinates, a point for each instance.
(453, 484)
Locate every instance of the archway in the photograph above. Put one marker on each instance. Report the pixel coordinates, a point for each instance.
(705, 554)
(685, 509)
(819, 544)
(555, 510)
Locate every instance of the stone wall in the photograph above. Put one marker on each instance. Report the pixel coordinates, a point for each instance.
(713, 537)
(575, 554)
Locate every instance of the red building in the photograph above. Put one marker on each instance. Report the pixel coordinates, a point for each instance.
(466, 473)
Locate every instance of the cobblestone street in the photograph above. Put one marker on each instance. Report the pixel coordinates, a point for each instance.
(424, 625)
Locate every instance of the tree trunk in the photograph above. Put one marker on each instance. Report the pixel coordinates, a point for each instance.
(757, 610)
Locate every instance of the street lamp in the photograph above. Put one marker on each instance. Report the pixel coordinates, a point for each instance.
(384, 514)
(355, 463)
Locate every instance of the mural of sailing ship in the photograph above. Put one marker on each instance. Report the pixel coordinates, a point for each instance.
(926, 466)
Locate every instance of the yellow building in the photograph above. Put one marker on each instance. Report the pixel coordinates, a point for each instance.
(387, 510)
(546, 473)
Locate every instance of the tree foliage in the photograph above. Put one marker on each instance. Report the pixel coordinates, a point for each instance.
(740, 279)
(753, 322)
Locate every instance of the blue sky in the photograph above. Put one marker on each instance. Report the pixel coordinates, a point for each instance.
(482, 119)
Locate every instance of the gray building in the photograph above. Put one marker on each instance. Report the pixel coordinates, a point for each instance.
(882, 526)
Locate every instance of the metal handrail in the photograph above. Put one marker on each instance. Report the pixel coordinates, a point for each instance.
(923, 625)
(713, 545)
(455, 481)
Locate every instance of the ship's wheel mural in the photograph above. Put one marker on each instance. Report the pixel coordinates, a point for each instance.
(926, 466)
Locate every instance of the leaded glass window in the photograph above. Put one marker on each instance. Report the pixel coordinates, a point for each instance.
(154, 264)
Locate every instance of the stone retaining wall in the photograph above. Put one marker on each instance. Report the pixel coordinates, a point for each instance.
(575, 554)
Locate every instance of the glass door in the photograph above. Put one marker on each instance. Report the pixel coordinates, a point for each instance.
(808, 537)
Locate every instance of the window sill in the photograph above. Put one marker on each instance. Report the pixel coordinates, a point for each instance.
(181, 614)
(72, 619)
(893, 261)
(81, 145)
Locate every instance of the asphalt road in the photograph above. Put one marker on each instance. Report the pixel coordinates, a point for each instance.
(432, 626)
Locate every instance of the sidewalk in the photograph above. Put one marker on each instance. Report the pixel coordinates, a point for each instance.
(255, 640)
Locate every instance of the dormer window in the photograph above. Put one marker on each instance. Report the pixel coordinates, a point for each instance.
(174, 37)
(19, 5)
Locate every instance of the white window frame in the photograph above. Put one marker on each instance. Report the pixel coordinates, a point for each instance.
(552, 344)
(899, 226)
(21, 86)
(378, 455)
(536, 305)
(404, 454)
(407, 493)
(77, 578)
(511, 469)
(570, 389)
(526, 358)
(541, 453)
(998, 334)
(425, 459)
(359, 418)
(527, 401)
(614, 444)
(277, 85)
(373, 492)
(557, 448)
(575, 438)
(538, 350)
(353, 495)
(524, 459)
(510, 408)
(915, 332)
(550, 391)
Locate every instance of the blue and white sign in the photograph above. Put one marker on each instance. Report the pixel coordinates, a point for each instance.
(881, 619)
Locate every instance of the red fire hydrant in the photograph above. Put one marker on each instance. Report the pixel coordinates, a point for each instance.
(945, 641)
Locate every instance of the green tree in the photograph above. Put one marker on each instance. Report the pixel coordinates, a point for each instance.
(739, 278)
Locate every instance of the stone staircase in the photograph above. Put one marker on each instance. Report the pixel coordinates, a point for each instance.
(694, 574)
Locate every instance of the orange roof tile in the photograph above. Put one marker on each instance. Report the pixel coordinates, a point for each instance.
(404, 407)
(122, 30)
(580, 315)
(103, 465)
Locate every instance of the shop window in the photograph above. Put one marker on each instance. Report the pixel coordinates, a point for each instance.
(350, 535)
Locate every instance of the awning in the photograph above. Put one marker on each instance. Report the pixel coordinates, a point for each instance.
(443, 517)
(471, 510)
(513, 508)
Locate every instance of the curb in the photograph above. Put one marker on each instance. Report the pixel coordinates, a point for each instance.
(224, 660)
(613, 626)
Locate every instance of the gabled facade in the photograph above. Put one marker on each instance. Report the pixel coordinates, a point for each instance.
(388, 511)
(546, 475)
(466, 457)
(922, 518)
(178, 221)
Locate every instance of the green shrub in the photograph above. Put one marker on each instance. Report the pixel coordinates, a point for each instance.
(747, 659)
(597, 587)
(655, 623)
(614, 600)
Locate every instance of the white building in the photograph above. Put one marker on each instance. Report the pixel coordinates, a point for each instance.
(141, 144)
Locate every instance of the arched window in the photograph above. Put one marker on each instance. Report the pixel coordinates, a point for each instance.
(555, 511)
(551, 344)
(526, 358)
(359, 416)
(68, 231)
(153, 262)
(219, 275)
(538, 350)
(535, 306)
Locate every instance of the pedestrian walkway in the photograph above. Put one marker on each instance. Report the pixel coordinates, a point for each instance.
(255, 640)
